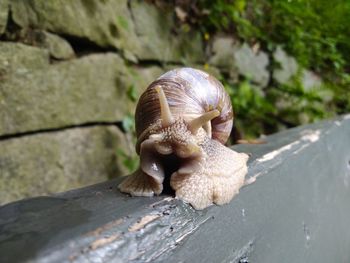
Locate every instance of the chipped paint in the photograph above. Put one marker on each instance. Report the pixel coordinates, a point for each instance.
(103, 241)
(311, 135)
(171, 246)
(308, 136)
(143, 222)
(271, 155)
(185, 234)
(105, 227)
(302, 147)
(252, 179)
(241, 254)
(165, 200)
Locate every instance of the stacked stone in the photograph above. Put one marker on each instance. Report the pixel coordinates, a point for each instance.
(66, 73)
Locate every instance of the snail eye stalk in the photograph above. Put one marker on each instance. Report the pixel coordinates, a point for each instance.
(202, 120)
(167, 118)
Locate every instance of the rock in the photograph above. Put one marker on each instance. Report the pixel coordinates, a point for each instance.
(4, 10)
(148, 36)
(214, 71)
(153, 31)
(89, 89)
(187, 47)
(223, 48)
(288, 66)
(290, 74)
(19, 59)
(143, 76)
(313, 83)
(93, 20)
(141, 31)
(58, 161)
(310, 80)
(58, 47)
(251, 65)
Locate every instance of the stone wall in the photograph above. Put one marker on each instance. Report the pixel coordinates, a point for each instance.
(69, 75)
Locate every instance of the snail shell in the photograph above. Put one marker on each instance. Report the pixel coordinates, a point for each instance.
(187, 114)
(189, 93)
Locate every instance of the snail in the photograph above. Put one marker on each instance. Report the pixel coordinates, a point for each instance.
(186, 116)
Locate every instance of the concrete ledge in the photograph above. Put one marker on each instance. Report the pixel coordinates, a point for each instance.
(296, 211)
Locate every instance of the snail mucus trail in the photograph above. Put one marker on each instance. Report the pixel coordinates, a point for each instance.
(182, 120)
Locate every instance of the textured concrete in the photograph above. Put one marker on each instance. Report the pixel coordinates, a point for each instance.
(296, 211)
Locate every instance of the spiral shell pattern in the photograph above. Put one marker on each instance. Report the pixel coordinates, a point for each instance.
(190, 93)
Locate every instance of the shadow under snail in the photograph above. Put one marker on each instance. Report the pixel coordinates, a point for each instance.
(182, 121)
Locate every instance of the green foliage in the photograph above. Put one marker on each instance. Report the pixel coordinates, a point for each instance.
(284, 106)
(129, 159)
(298, 105)
(315, 32)
(128, 124)
(252, 108)
(130, 162)
(123, 22)
(132, 93)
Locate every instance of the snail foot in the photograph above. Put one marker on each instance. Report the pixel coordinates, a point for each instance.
(195, 189)
(140, 184)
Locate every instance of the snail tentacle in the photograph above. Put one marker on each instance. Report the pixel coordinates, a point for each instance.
(202, 120)
(167, 118)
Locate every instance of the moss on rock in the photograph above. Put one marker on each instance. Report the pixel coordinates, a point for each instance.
(57, 161)
(89, 89)
(17, 58)
(4, 10)
(140, 31)
(76, 18)
(58, 47)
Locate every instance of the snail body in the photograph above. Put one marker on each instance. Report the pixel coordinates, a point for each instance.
(187, 114)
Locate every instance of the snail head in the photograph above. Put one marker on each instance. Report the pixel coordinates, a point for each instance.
(177, 136)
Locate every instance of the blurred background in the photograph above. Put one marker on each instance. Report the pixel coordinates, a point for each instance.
(71, 73)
